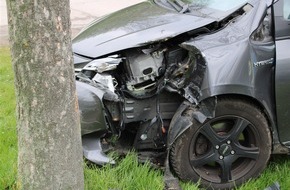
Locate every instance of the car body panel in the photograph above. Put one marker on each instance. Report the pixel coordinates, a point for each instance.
(80, 61)
(135, 26)
(228, 71)
(283, 90)
(191, 62)
(237, 65)
(282, 77)
(91, 108)
(235, 62)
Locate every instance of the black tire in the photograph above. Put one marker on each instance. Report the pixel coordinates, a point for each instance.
(225, 151)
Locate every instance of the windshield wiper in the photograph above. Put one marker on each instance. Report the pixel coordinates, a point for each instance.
(179, 5)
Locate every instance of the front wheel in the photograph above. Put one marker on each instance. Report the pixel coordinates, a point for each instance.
(225, 151)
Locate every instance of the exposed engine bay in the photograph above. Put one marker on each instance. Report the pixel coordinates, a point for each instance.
(144, 88)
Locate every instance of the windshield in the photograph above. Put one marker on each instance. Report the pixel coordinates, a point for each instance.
(183, 6)
(221, 5)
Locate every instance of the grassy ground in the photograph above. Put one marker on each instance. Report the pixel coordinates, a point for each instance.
(127, 175)
(8, 141)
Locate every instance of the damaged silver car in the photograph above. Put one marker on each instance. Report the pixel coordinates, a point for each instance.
(198, 86)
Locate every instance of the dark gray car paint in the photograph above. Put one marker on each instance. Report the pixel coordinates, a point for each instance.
(91, 108)
(80, 61)
(236, 63)
(283, 90)
(233, 59)
(282, 30)
(134, 26)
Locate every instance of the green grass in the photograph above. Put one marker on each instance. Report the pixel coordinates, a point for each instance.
(8, 140)
(126, 175)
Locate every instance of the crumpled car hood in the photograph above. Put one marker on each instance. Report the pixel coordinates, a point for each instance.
(133, 27)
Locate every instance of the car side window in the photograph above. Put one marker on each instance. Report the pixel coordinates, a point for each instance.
(286, 10)
(282, 19)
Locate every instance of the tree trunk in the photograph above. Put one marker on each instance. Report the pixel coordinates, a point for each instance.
(49, 140)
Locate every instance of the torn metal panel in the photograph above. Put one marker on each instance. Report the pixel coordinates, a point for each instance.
(240, 58)
(231, 55)
(183, 117)
(93, 151)
(186, 77)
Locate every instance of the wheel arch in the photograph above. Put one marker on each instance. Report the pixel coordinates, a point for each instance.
(277, 147)
(255, 102)
(181, 120)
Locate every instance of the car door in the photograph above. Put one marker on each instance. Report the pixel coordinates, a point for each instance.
(282, 78)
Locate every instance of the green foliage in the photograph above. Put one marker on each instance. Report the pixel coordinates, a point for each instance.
(126, 175)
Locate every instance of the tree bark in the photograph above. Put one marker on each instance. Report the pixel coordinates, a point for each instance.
(49, 140)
